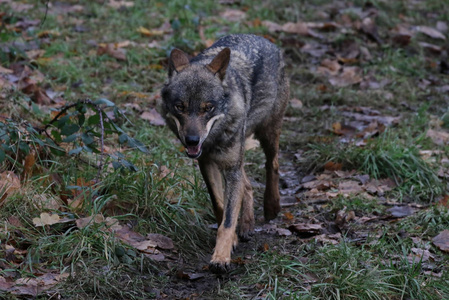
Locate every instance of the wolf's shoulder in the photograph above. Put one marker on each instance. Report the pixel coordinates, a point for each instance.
(248, 46)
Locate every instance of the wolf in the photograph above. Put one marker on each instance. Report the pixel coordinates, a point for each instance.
(213, 102)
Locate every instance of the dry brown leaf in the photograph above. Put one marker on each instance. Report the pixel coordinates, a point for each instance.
(332, 239)
(147, 246)
(349, 187)
(332, 166)
(306, 228)
(379, 187)
(150, 32)
(329, 67)
(83, 222)
(5, 70)
(431, 32)
(442, 241)
(33, 286)
(420, 255)
(296, 103)
(288, 215)
(438, 137)
(318, 185)
(401, 211)
(283, 232)
(46, 219)
(161, 241)
(113, 51)
(154, 117)
(9, 184)
(120, 3)
(233, 15)
(349, 76)
(431, 47)
(20, 7)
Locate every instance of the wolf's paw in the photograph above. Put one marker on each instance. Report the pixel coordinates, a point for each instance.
(271, 210)
(220, 266)
(235, 242)
(246, 236)
(246, 229)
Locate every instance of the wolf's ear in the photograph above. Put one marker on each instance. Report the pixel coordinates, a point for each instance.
(177, 62)
(220, 63)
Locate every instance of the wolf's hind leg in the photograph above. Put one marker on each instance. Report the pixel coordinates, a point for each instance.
(214, 182)
(246, 221)
(269, 140)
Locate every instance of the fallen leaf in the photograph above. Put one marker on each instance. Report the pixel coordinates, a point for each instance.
(420, 255)
(348, 187)
(113, 51)
(442, 240)
(46, 219)
(431, 32)
(35, 286)
(189, 276)
(119, 4)
(301, 228)
(154, 117)
(5, 70)
(283, 232)
(333, 166)
(431, 47)
(233, 15)
(401, 211)
(349, 76)
(147, 246)
(9, 184)
(370, 29)
(329, 67)
(442, 26)
(288, 215)
(296, 103)
(150, 32)
(83, 222)
(161, 241)
(438, 137)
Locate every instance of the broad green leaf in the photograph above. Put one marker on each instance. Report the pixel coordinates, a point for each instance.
(69, 129)
(2, 156)
(81, 119)
(104, 101)
(123, 138)
(87, 139)
(133, 143)
(70, 138)
(56, 135)
(75, 151)
(61, 122)
(24, 147)
(93, 120)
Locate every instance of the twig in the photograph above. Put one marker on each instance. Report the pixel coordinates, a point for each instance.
(46, 13)
(100, 169)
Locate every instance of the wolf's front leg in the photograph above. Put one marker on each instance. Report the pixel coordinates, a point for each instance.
(226, 235)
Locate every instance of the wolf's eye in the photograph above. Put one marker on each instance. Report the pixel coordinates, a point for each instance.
(179, 107)
(209, 108)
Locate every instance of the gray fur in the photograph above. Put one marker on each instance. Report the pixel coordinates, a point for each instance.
(220, 100)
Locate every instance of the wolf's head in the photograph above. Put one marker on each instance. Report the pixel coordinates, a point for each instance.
(194, 99)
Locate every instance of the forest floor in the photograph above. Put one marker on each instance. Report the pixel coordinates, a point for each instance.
(100, 202)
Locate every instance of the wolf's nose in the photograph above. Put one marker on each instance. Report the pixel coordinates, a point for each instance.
(192, 140)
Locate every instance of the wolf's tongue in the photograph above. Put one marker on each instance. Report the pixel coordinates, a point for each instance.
(193, 150)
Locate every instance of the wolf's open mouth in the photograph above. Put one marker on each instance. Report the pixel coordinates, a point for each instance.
(193, 151)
